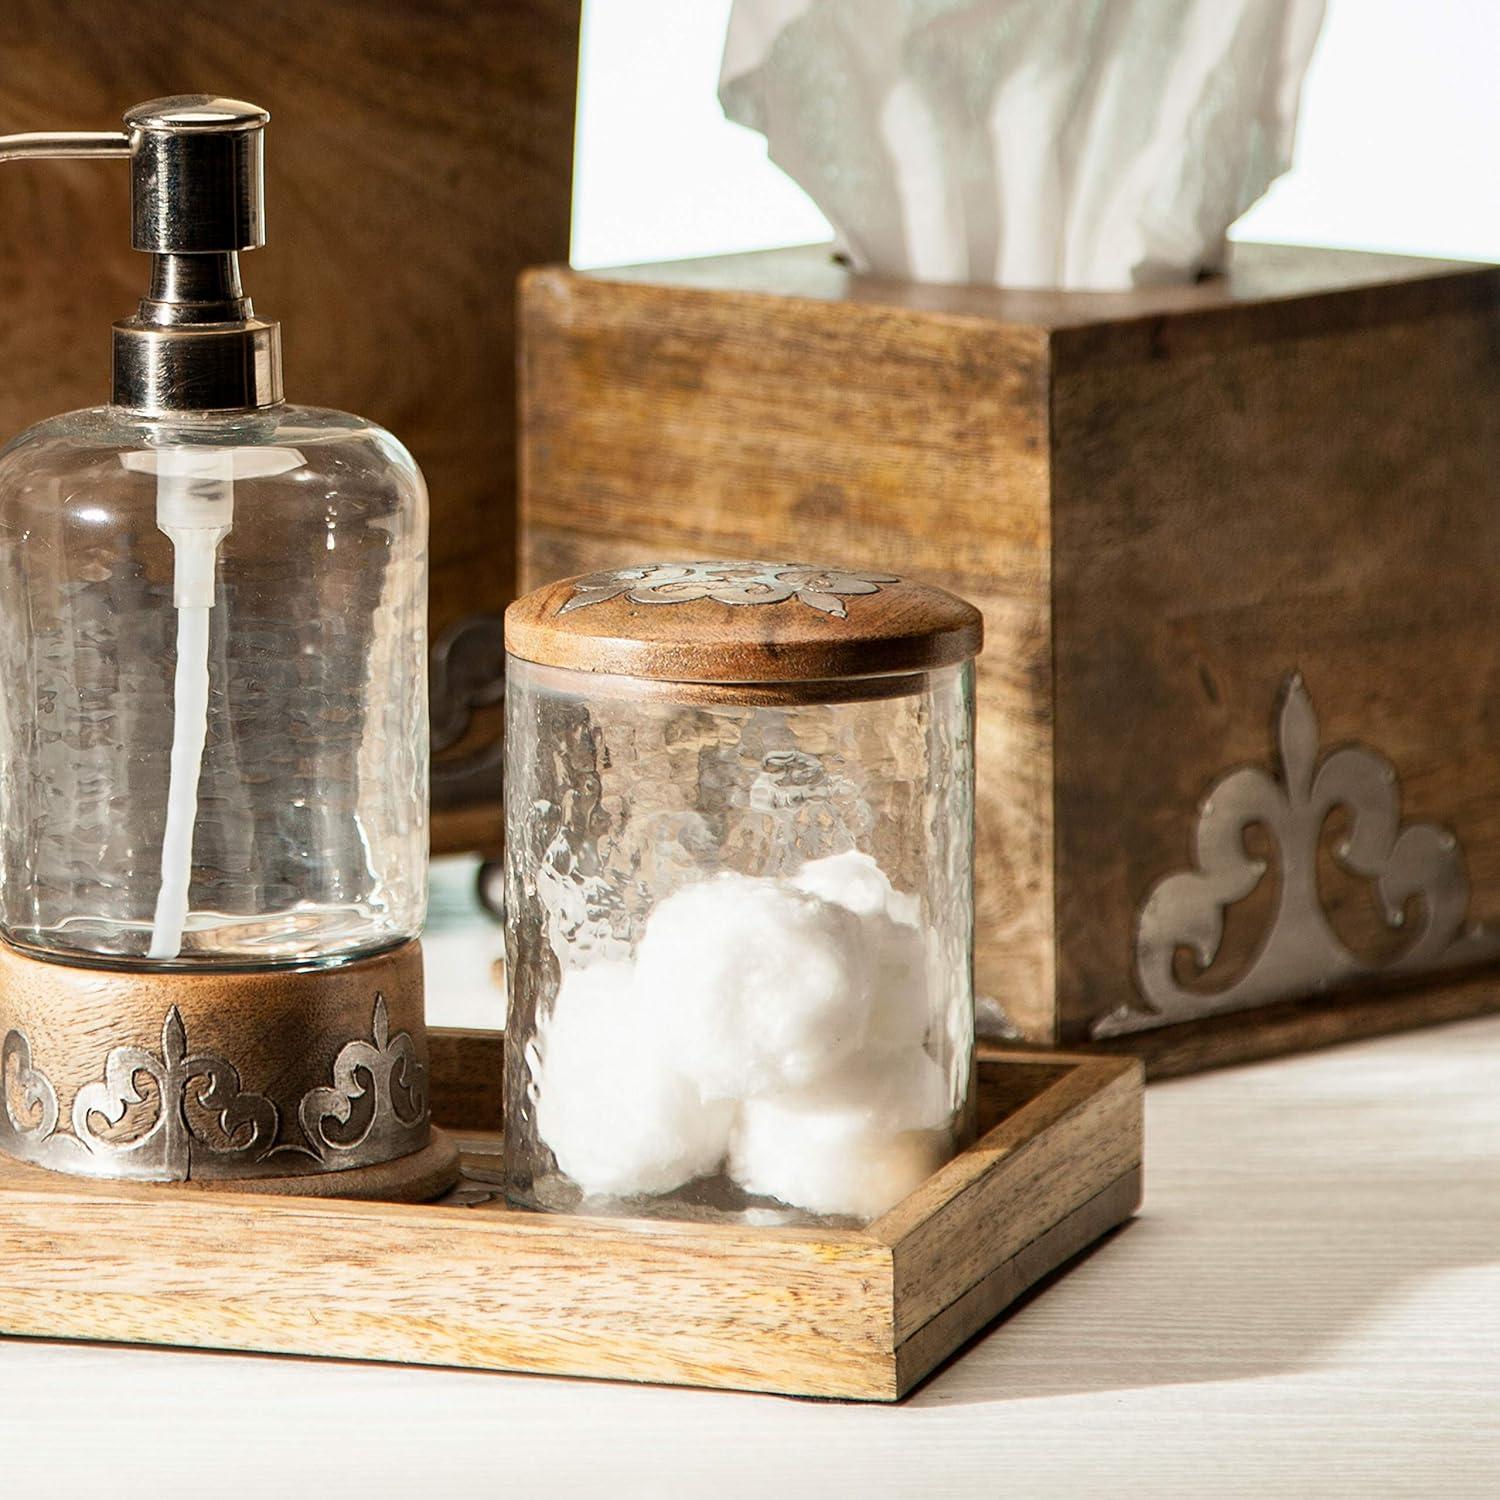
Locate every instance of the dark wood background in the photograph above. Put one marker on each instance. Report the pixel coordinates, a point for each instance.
(420, 154)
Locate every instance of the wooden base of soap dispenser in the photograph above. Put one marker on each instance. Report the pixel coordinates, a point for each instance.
(302, 1081)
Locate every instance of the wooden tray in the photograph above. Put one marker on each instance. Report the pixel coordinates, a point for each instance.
(859, 1314)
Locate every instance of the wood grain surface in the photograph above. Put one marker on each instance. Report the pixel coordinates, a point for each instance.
(1164, 502)
(884, 624)
(926, 454)
(276, 1025)
(281, 1030)
(856, 1314)
(1310, 486)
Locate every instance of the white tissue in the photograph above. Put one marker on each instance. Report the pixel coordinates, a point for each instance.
(1025, 143)
(753, 985)
(618, 1119)
(857, 1142)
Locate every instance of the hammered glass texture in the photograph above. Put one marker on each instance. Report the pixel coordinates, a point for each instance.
(615, 800)
(310, 842)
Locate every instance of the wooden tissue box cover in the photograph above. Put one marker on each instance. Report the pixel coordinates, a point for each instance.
(1168, 504)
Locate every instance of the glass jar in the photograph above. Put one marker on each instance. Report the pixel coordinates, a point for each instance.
(739, 824)
(307, 843)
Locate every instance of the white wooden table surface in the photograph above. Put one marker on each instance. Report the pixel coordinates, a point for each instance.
(1308, 1305)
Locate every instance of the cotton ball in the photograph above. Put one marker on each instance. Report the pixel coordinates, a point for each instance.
(616, 1117)
(756, 986)
(854, 1144)
(893, 942)
(899, 1009)
(856, 881)
(851, 880)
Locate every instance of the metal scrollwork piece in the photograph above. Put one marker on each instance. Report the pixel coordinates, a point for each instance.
(822, 589)
(247, 1122)
(467, 678)
(170, 1115)
(22, 1084)
(1300, 954)
(395, 1075)
(160, 1149)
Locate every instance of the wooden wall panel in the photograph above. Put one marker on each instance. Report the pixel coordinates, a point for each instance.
(670, 423)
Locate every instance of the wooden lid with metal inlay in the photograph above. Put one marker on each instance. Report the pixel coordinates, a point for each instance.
(742, 622)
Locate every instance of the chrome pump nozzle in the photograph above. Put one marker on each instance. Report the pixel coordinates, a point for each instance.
(197, 200)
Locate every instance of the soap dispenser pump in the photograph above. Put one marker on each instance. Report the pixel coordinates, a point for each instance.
(213, 736)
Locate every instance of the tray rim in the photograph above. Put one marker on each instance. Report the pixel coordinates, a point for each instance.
(905, 1292)
(21, 1181)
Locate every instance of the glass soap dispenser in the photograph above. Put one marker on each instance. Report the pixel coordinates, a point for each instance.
(213, 736)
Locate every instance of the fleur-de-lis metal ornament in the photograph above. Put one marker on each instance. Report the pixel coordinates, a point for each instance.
(1300, 953)
(822, 589)
(198, 1114)
(161, 1151)
(397, 1094)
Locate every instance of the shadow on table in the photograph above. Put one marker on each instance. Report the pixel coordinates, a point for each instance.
(1258, 1263)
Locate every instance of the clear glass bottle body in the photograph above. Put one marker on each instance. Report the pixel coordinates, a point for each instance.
(739, 939)
(309, 835)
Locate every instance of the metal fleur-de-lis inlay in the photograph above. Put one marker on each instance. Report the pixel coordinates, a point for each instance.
(168, 1115)
(396, 1095)
(1300, 954)
(159, 1149)
(822, 589)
